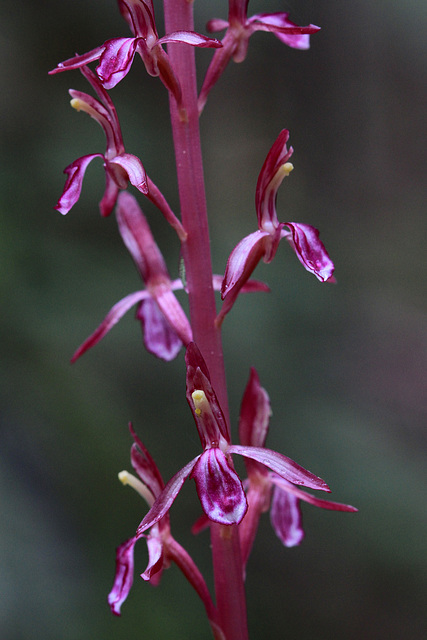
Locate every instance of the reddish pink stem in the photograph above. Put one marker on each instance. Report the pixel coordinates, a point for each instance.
(226, 556)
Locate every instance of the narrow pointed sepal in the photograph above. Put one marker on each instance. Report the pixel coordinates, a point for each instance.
(282, 465)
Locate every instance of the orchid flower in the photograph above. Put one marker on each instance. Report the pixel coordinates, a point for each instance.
(239, 30)
(266, 489)
(116, 55)
(164, 323)
(162, 547)
(120, 167)
(218, 486)
(262, 244)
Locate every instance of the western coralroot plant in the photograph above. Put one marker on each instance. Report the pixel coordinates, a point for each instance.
(231, 506)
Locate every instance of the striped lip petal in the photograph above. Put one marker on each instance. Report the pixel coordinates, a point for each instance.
(219, 488)
(310, 250)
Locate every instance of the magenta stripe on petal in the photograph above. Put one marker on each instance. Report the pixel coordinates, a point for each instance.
(219, 488)
(286, 518)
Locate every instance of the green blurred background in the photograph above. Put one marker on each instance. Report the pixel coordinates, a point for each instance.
(345, 365)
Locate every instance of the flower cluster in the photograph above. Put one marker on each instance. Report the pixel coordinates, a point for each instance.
(223, 496)
(164, 324)
(274, 482)
(116, 55)
(162, 547)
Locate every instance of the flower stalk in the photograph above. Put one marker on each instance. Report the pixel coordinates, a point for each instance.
(226, 556)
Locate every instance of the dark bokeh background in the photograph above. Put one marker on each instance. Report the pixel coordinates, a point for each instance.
(345, 365)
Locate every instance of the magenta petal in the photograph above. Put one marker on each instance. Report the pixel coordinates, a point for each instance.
(286, 518)
(137, 236)
(219, 488)
(166, 498)
(310, 250)
(79, 61)
(160, 338)
(254, 413)
(134, 169)
(308, 497)
(192, 38)
(173, 313)
(216, 24)
(124, 575)
(287, 31)
(211, 424)
(240, 265)
(282, 465)
(145, 466)
(242, 261)
(155, 558)
(116, 60)
(112, 317)
(73, 185)
(269, 180)
(110, 195)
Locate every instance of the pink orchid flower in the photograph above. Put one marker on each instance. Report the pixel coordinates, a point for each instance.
(162, 547)
(120, 167)
(266, 489)
(239, 29)
(218, 486)
(116, 55)
(262, 244)
(164, 323)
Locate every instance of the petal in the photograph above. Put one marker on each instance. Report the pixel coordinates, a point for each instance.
(84, 102)
(154, 568)
(160, 338)
(218, 64)
(78, 61)
(124, 575)
(173, 312)
(286, 518)
(156, 196)
(73, 185)
(109, 198)
(240, 265)
(270, 177)
(137, 236)
(112, 317)
(211, 423)
(284, 29)
(308, 497)
(251, 286)
(216, 24)
(165, 500)
(310, 250)
(116, 60)
(192, 38)
(255, 413)
(281, 465)
(134, 170)
(219, 488)
(145, 466)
